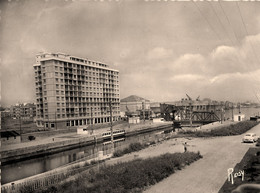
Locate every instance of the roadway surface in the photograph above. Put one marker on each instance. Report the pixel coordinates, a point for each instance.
(207, 174)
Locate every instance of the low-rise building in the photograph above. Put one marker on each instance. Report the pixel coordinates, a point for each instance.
(239, 117)
(25, 111)
(135, 106)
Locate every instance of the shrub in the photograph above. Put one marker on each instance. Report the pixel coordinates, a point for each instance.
(152, 142)
(258, 142)
(132, 148)
(130, 176)
(92, 162)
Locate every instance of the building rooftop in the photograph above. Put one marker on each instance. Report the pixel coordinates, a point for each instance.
(70, 58)
(134, 98)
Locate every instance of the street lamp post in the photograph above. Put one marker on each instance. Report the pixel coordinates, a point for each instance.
(232, 112)
(55, 121)
(111, 124)
(20, 127)
(91, 114)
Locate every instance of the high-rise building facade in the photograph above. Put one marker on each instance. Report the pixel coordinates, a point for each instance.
(72, 91)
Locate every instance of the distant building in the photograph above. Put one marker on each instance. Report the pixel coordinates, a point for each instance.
(73, 91)
(156, 111)
(24, 111)
(135, 106)
(10, 137)
(239, 117)
(5, 112)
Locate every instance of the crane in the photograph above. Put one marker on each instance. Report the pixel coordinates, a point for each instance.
(190, 99)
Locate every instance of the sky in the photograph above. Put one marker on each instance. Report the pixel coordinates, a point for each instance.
(162, 49)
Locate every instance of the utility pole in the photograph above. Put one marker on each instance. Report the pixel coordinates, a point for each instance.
(143, 106)
(55, 121)
(190, 115)
(232, 112)
(111, 122)
(221, 114)
(20, 127)
(91, 119)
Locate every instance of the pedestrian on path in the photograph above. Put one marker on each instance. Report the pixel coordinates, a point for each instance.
(185, 147)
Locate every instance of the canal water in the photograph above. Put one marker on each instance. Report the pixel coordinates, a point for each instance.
(27, 168)
(23, 169)
(248, 112)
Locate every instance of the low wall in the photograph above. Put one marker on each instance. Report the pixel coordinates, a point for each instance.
(149, 129)
(53, 176)
(44, 149)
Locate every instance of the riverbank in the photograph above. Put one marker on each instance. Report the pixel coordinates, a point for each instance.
(62, 142)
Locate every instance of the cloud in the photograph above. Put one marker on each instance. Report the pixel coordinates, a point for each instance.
(159, 53)
(189, 63)
(187, 78)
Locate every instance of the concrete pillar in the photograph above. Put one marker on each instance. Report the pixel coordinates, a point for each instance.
(100, 155)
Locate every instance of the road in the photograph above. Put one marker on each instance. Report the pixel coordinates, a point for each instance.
(207, 174)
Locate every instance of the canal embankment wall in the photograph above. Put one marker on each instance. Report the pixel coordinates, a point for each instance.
(23, 153)
(54, 176)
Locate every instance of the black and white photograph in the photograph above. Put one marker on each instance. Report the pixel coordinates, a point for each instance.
(130, 96)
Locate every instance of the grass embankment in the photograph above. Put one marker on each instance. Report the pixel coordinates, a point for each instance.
(233, 129)
(250, 164)
(132, 176)
(132, 148)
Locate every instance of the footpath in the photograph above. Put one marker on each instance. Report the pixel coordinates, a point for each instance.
(209, 173)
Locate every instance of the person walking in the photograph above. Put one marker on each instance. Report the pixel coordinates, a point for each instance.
(185, 147)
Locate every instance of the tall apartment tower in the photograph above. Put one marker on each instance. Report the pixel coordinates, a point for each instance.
(72, 91)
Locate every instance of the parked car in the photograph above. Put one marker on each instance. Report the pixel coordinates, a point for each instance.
(250, 137)
(31, 137)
